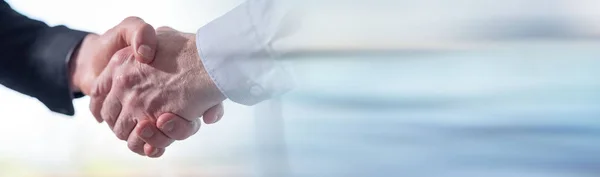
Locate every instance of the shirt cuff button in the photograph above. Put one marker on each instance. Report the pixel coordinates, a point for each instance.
(256, 90)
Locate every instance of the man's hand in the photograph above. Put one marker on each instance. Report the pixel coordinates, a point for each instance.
(94, 53)
(157, 103)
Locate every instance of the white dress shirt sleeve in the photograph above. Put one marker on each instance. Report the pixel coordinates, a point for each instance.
(236, 50)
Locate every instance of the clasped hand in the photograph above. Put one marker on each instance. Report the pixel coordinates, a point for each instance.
(148, 85)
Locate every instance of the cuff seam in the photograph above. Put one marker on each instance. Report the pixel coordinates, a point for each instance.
(209, 71)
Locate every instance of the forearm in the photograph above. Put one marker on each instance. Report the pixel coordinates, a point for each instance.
(34, 58)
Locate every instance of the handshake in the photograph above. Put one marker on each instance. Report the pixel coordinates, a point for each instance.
(148, 85)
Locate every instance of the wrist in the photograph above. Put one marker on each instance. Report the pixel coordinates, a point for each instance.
(79, 69)
(209, 86)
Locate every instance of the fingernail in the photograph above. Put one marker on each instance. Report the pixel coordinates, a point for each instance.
(147, 133)
(168, 126)
(219, 116)
(154, 152)
(211, 120)
(146, 52)
(215, 119)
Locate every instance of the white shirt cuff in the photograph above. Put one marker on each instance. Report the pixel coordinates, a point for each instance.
(239, 58)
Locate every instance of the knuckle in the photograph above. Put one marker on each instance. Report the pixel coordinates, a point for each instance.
(124, 81)
(145, 26)
(131, 100)
(122, 129)
(123, 55)
(100, 89)
(133, 19)
(122, 135)
(95, 108)
(137, 24)
(164, 28)
(110, 116)
(96, 91)
(107, 116)
(120, 81)
(128, 101)
(110, 120)
(135, 147)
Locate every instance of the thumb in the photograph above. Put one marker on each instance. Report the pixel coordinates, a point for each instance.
(135, 32)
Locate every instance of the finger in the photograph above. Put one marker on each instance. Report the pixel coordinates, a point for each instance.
(96, 106)
(135, 32)
(111, 109)
(214, 114)
(103, 84)
(164, 29)
(176, 127)
(152, 151)
(123, 127)
(135, 144)
(148, 132)
(113, 104)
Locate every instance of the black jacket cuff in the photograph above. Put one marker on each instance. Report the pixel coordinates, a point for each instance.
(54, 50)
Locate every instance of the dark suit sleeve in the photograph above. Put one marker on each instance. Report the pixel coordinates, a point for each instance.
(34, 59)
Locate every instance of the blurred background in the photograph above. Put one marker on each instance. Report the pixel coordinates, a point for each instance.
(427, 88)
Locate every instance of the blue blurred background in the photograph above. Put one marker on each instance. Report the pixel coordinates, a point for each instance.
(514, 111)
(427, 88)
